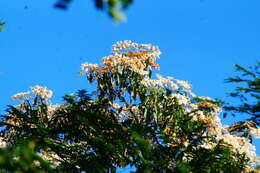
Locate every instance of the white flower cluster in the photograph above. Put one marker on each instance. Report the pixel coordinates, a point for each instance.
(87, 67)
(37, 90)
(161, 82)
(180, 89)
(237, 143)
(211, 117)
(240, 145)
(255, 132)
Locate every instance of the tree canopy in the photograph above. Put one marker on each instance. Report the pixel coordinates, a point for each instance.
(154, 125)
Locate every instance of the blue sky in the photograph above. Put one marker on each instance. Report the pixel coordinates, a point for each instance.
(200, 40)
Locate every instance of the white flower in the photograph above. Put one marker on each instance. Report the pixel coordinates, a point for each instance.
(184, 84)
(241, 145)
(182, 99)
(149, 82)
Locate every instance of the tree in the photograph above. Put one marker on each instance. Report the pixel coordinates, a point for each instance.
(113, 7)
(155, 125)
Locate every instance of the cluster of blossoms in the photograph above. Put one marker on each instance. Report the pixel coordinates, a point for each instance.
(161, 82)
(20, 95)
(254, 132)
(136, 57)
(175, 85)
(240, 145)
(87, 67)
(41, 91)
(237, 144)
(37, 90)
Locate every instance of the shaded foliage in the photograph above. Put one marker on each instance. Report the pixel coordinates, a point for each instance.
(22, 158)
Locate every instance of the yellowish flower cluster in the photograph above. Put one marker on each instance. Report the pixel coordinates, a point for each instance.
(2, 143)
(20, 95)
(137, 57)
(37, 90)
(41, 91)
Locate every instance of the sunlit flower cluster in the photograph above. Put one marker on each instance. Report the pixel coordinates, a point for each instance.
(255, 132)
(41, 91)
(237, 143)
(2, 143)
(139, 58)
(37, 90)
(241, 145)
(52, 108)
(20, 95)
(161, 82)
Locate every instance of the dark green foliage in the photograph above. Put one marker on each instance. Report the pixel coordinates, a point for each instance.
(248, 92)
(22, 158)
(86, 134)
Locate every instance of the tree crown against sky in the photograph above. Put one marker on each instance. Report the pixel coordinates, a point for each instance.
(155, 125)
(247, 92)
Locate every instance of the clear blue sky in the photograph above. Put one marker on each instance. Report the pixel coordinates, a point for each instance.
(199, 40)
